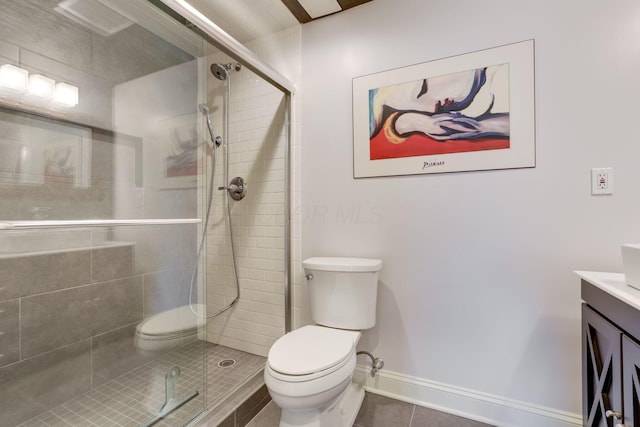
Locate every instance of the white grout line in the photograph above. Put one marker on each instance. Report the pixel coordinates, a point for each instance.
(413, 412)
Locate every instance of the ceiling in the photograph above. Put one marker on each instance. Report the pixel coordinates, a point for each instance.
(308, 10)
(246, 20)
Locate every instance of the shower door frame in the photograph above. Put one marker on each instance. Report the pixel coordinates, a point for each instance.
(196, 21)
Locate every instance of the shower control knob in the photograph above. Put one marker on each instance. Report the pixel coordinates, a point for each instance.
(237, 188)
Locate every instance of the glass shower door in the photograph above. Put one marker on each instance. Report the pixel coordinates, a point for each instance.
(100, 215)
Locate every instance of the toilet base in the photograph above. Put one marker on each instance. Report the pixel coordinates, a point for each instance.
(351, 403)
(341, 414)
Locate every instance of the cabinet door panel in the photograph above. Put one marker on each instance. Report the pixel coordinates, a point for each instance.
(601, 369)
(630, 381)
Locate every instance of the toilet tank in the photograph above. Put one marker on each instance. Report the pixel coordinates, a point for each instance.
(343, 292)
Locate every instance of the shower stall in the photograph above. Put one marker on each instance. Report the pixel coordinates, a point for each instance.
(144, 214)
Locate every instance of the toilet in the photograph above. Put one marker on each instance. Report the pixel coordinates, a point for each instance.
(169, 329)
(309, 370)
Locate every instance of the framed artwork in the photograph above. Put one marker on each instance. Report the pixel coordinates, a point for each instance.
(179, 146)
(37, 151)
(463, 113)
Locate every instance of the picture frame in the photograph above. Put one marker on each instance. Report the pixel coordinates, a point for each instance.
(179, 150)
(37, 151)
(469, 112)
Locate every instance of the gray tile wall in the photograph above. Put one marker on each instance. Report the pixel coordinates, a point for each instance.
(114, 353)
(40, 383)
(29, 275)
(68, 319)
(9, 326)
(57, 319)
(35, 37)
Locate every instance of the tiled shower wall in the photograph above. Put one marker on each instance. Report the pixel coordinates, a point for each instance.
(68, 317)
(257, 147)
(35, 37)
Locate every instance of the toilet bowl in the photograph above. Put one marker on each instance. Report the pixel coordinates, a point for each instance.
(169, 329)
(309, 370)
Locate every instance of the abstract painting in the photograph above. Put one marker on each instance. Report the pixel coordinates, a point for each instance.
(36, 151)
(177, 152)
(182, 157)
(59, 165)
(468, 112)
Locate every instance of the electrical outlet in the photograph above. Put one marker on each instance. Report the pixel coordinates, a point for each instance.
(601, 181)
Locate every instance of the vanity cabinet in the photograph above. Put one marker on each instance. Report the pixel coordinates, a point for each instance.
(610, 359)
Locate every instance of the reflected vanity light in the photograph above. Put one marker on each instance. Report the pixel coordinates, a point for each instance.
(41, 86)
(66, 94)
(14, 78)
(36, 86)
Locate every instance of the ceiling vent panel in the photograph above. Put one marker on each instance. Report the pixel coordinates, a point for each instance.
(94, 15)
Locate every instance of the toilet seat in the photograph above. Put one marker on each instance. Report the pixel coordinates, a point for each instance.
(311, 352)
(180, 321)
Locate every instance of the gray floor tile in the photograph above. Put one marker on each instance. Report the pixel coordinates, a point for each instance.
(380, 411)
(425, 417)
(135, 396)
(377, 414)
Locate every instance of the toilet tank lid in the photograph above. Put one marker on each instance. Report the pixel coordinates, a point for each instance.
(343, 264)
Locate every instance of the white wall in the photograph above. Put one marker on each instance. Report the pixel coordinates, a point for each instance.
(477, 289)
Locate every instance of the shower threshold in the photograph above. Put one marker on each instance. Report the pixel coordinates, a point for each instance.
(135, 397)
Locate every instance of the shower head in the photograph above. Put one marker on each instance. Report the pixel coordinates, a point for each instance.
(204, 109)
(221, 71)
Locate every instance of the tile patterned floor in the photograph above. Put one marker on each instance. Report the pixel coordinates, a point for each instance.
(380, 411)
(133, 398)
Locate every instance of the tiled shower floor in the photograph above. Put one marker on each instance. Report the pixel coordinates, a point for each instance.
(133, 398)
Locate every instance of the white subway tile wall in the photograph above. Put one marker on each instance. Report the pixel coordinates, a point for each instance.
(256, 150)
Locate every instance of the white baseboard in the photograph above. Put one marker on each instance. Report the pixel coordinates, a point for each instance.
(487, 408)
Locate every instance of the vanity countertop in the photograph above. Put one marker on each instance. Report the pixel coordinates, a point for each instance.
(613, 284)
